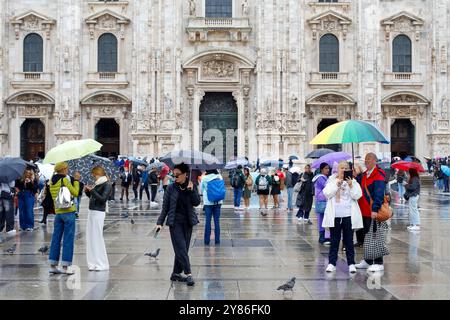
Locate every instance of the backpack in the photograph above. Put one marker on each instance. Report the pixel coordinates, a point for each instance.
(263, 184)
(237, 181)
(64, 198)
(215, 190)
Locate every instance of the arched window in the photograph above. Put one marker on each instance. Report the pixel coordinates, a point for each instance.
(219, 8)
(329, 53)
(33, 53)
(107, 53)
(401, 54)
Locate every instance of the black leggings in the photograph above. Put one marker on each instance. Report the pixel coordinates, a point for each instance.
(180, 234)
(154, 189)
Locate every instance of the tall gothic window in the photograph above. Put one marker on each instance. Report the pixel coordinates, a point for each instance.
(219, 8)
(107, 53)
(33, 53)
(329, 54)
(401, 54)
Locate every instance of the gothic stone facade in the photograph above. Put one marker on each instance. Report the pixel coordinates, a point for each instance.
(266, 55)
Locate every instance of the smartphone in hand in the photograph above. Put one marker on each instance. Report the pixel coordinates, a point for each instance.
(348, 174)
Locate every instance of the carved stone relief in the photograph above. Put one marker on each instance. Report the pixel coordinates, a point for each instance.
(218, 69)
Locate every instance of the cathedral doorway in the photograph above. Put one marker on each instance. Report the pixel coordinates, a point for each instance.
(402, 138)
(322, 126)
(32, 139)
(107, 132)
(218, 125)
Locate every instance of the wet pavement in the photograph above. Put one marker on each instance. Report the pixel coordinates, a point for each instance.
(256, 255)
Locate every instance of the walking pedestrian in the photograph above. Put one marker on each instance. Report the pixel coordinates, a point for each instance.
(126, 180)
(136, 177)
(153, 181)
(96, 256)
(305, 195)
(47, 203)
(320, 182)
(144, 184)
(400, 176)
(263, 183)
(238, 183)
(64, 223)
(178, 207)
(372, 183)
(276, 189)
(342, 215)
(290, 183)
(213, 188)
(7, 208)
(247, 188)
(413, 193)
(27, 188)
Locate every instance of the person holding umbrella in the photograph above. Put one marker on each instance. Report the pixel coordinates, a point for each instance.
(27, 188)
(413, 192)
(305, 195)
(7, 208)
(64, 223)
(126, 179)
(178, 207)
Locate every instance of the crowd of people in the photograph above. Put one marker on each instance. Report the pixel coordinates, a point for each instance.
(346, 202)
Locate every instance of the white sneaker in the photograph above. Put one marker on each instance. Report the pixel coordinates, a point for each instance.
(330, 268)
(414, 228)
(375, 268)
(11, 232)
(352, 268)
(300, 219)
(362, 265)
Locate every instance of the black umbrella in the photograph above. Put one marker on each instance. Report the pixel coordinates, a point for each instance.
(318, 153)
(12, 169)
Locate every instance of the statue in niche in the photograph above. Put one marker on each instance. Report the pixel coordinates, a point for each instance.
(192, 7)
(167, 104)
(294, 102)
(245, 8)
(66, 59)
(444, 107)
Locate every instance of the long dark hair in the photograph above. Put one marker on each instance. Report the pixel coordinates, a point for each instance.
(413, 174)
(246, 172)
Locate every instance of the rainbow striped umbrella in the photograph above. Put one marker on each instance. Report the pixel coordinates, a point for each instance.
(350, 131)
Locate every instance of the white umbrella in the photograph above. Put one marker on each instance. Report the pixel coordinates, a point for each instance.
(46, 170)
(295, 170)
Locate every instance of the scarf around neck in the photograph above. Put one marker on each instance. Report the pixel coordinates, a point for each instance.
(101, 180)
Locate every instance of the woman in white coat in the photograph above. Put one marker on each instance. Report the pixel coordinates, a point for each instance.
(342, 215)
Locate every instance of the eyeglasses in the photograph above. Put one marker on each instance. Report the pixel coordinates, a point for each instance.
(176, 176)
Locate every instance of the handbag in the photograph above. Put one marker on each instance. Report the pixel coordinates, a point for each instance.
(385, 212)
(375, 241)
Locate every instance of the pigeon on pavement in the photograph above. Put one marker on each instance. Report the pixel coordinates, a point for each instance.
(132, 221)
(43, 249)
(153, 254)
(12, 249)
(288, 286)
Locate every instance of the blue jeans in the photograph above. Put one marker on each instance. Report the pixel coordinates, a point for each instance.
(26, 207)
(211, 211)
(414, 217)
(446, 187)
(77, 201)
(440, 184)
(290, 193)
(64, 229)
(237, 196)
(401, 190)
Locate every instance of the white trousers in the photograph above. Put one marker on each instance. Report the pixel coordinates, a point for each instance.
(95, 244)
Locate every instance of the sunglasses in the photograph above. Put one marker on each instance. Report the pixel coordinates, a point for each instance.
(176, 176)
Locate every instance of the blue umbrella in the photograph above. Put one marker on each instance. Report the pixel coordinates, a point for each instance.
(445, 170)
(137, 161)
(236, 163)
(12, 169)
(270, 163)
(293, 158)
(157, 165)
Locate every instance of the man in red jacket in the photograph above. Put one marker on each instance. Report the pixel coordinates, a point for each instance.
(372, 182)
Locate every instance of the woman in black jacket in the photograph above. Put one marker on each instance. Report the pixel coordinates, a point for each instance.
(178, 206)
(97, 258)
(305, 196)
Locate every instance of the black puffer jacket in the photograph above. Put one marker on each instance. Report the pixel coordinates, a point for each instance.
(98, 196)
(170, 206)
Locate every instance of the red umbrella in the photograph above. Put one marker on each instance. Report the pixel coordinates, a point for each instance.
(164, 171)
(405, 166)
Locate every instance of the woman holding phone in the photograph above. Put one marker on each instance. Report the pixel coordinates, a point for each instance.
(178, 207)
(342, 214)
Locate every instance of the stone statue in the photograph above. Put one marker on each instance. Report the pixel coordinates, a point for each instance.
(66, 59)
(433, 58)
(192, 7)
(444, 107)
(245, 8)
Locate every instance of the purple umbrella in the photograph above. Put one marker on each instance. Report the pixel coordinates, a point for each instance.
(331, 158)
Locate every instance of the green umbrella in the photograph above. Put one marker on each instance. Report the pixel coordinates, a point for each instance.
(350, 131)
(73, 149)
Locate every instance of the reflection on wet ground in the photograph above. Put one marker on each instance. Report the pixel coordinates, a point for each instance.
(256, 255)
